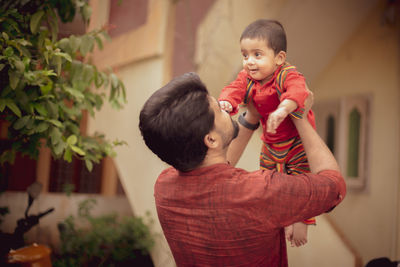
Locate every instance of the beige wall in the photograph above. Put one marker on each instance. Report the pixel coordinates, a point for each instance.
(369, 63)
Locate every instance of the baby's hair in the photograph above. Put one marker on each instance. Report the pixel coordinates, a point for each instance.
(270, 31)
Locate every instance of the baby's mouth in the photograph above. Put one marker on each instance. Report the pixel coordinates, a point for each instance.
(253, 71)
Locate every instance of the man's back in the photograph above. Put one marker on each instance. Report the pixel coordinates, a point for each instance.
(224, 216)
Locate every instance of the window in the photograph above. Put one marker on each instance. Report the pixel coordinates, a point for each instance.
(75, 173)
(344, 125)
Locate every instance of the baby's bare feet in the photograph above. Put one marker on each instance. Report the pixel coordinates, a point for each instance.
(299, 234)
(289, 234)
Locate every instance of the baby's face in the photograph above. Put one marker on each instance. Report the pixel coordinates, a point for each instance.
(259, 60)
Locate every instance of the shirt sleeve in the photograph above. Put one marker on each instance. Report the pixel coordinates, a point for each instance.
(293, 198)
(234, 92)
(295, 89)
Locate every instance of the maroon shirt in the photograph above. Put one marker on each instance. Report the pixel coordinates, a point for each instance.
(224, 216)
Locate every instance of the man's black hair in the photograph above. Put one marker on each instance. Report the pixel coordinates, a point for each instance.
(271, 31)
(175, 120)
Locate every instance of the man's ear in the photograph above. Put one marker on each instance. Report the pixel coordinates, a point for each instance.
(280, 58)
(210, 140)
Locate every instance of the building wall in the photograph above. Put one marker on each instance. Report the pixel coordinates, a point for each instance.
(141, 58)
(369, 63)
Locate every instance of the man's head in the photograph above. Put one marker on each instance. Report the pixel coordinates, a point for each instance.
(263, 47)
(176, 122)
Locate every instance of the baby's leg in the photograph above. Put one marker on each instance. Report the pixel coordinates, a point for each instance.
(272, 158)
(297, 164)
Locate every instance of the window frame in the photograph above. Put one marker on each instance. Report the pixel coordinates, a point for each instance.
(340, 109)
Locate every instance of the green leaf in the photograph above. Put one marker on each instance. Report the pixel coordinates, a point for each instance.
(64, 55)
(86, 44)
(11, 105)
(26, 61)
(89, 165)
(64, 44)
(99, 42)
(52, 19)
(5, 36)
(21, 122)
(86, 13)
(74, 43)
(72, 139)
(59, 148)
(43, 126)
(73, 128)
(58, 64)
(55, 135)
(46, 56)
(75, 93)
(1, 66)
(41, 109)
(78, 150)
(45, 89)
(2, 104)
(35, 21)
(14, 78)
(52, 109)
(7, 156)
(19, 65)
(56, 123)
(23, 42)
(87, 73)
(8, 52)
(68, 155)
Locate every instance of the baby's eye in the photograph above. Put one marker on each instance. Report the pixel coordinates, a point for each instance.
(258, 54)
(245, 55)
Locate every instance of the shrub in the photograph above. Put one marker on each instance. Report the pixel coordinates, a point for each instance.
(46, 82)
(104, 240)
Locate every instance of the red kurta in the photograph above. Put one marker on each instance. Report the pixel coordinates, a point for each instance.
(224, 216)
(266, 100)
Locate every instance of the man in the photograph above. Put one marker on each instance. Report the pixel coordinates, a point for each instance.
(212, 213)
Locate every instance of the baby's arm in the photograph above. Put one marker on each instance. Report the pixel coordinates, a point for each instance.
(276, 117)
(225, 105)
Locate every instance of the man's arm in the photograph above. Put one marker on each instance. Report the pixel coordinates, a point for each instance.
(238, 145)
(318, 154)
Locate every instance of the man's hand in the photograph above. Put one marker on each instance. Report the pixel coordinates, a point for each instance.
(309, 101)
(225, 105)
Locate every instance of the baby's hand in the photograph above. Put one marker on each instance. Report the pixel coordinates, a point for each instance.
(225, 105)
(275, 119)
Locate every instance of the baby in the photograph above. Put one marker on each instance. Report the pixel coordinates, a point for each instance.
(277, 90)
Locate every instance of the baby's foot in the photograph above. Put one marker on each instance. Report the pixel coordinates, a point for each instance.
(289, 233)
(299, 234)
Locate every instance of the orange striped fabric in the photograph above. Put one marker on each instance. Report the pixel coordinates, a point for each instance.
(286, 157)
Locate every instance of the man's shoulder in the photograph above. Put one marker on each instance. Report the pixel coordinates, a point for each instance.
(218, 170)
